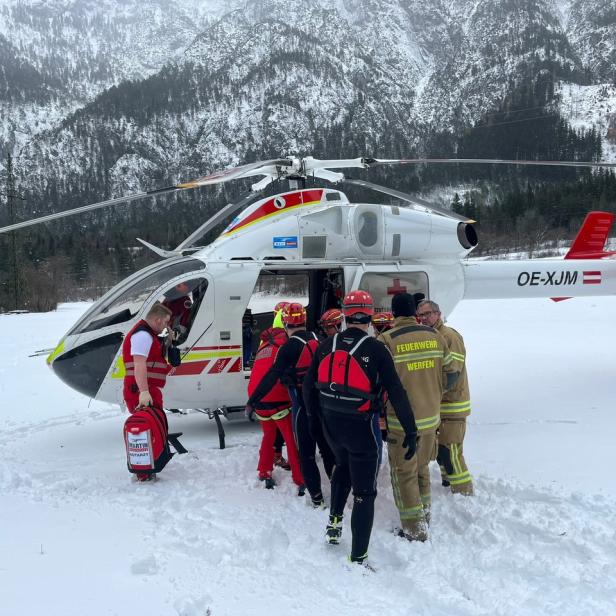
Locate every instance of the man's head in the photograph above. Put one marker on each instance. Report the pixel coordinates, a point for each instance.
(331, 321)
(403, 305)
(158, 317)
(182, 288)
(428, 313)
(294, 316)
(358, 308)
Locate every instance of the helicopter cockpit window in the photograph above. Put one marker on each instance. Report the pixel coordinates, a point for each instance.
(123, 303)
(383, 286)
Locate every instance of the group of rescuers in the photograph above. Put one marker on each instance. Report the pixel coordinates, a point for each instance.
(346, 392)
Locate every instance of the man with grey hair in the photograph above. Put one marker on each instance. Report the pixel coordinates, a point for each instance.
(455, 406)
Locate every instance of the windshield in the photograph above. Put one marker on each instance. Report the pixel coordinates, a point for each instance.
(123, 303)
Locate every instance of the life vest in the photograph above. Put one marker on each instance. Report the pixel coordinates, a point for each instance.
(147, 439)
(342, 379)
(294, 377)
(157, 366)
(278, 397)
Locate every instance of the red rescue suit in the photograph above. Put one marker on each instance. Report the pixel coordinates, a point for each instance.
(273, 410)
(157, 369)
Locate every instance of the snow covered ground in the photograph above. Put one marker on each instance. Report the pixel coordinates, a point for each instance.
(78, 537)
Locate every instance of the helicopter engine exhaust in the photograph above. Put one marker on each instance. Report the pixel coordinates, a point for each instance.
(467, 235)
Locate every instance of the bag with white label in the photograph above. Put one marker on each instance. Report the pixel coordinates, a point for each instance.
(147, 440)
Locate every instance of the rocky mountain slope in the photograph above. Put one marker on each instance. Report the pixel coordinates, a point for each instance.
(215, 84)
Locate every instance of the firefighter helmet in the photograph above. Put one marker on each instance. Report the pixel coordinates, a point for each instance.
(357, 302)
(280, 306)
(294, 315)
(331, 318)
(382, 321)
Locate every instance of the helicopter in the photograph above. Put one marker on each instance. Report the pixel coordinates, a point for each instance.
(313, 240)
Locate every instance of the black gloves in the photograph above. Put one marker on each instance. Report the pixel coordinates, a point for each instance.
(410, 441)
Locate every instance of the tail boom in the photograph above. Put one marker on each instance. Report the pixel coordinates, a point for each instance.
(539, 278)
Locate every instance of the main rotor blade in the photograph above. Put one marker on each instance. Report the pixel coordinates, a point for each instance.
(258, 168)
(493, 161)
(216, 219)
(263, 167)
(409, 199)
(87, 208)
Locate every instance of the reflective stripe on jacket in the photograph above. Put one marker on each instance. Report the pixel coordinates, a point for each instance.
(422, 359)
(277, 398)
(456, 401)
(156, 364)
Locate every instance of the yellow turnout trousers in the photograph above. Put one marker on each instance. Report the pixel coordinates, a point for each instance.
(410, 480)
(451, 455)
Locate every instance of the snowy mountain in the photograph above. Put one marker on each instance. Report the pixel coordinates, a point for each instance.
(57, 55)
(216, 84)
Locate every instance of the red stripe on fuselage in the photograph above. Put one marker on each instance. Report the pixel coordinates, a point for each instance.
(291, 200)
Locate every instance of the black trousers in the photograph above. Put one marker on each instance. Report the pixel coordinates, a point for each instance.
(357, 445)
(307, 438)
(279, 442)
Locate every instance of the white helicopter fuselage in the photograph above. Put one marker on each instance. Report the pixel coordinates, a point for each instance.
(332, 246)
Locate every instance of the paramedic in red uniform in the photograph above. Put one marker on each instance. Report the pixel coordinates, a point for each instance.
(290, 367)
(343, 386)
(144, 360)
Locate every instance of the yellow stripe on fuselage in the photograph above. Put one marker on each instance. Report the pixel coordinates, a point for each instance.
(276, 213)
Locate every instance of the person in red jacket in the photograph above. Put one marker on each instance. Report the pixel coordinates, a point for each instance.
(145, 361)
(273, 410)
(289, 368)
(179, 302)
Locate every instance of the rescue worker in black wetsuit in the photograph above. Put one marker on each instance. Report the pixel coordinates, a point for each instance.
(290, 368)
(344, 387)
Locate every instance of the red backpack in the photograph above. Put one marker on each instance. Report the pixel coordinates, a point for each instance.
(342, 380)
(147, 440)
(299, 371)
(278, 397)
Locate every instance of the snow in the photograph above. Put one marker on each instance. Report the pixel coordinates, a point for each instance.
(77, 536)
(585, 107)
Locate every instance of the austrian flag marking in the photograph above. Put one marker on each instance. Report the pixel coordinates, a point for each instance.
(591, 278)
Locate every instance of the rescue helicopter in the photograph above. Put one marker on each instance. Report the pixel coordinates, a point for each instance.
(314, 237)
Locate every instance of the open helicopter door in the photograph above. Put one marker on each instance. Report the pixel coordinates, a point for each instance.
(189, 297)
(317, 288)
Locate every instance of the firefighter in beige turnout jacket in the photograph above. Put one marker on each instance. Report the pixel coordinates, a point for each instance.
(455, 407)
(426, 370)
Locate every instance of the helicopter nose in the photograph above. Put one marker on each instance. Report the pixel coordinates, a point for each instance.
(84, 367)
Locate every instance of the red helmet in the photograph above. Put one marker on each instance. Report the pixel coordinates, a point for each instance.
(382, 321)
(294, 315)
(331, 318)
(357, 302)
(280, 306)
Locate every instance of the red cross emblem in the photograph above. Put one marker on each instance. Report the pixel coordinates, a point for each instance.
(397, 288)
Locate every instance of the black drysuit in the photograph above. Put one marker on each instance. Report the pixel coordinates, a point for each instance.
(355, 436)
